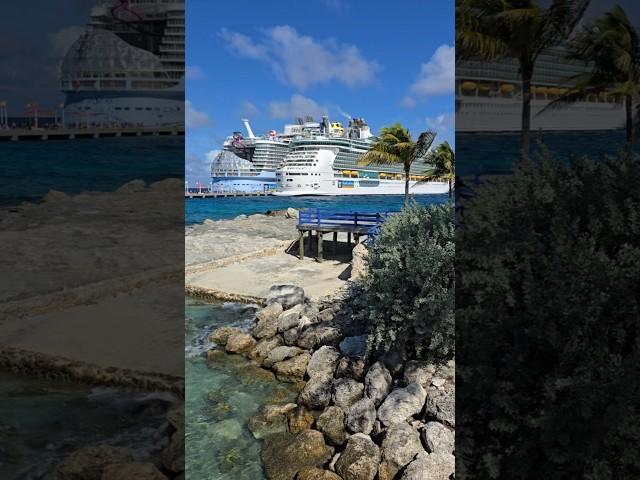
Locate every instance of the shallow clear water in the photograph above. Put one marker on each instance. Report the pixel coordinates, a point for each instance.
(221, 396)
(197, 210)
(42, 422)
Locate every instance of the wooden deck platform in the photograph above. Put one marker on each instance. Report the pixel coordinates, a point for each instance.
(353, 223)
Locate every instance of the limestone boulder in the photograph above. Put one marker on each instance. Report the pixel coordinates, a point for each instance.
(280, 354)
(262, 349)
(285, 455)
(400, 446)
(222, 334)
(438, 438)
(291, 336)
(265, 328)
(360, 459)
(331, 424)
(401, 404)
(350, 367)
(270, 312)
(323, 362)
(317, 335)
(326, 315)
(314, 473)
(290, 318)
(441, 406)
(316, 394)
(293, 369)
(346, 392)
(434, 466)
(299, 419)
(89, 462)
(419, 372)
(286, 295)
(361, 416)
(377, 383)
(240, 343)
(354, 346)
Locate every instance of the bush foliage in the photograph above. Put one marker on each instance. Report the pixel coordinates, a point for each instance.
(547, 312)
(409, 287)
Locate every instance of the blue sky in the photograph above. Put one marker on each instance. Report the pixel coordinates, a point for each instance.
(273, 61)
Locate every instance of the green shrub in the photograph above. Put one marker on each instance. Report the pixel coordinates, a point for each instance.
(409, 287)
(547, 317)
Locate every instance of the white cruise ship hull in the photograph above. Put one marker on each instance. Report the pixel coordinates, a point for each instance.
(386, 187)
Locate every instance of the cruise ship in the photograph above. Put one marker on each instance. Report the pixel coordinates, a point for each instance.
(127, 68)
(248, 164)
(488, 97)
(323, 159)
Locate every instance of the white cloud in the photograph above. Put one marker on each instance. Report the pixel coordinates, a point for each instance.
(248, 109)
(61, 40)
(444, 125)
(198, 167)
(436, 77)
(194, 118)
(193, 72)
(302, 61)
(297, 106)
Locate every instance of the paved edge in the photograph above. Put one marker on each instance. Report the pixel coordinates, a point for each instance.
(209, 294)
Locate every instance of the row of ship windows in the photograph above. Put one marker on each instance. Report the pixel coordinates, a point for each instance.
(164, 109)
(295, 173)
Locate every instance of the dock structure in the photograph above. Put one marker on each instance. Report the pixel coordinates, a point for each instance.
(208, 194)
(15, 134)
(321, 222)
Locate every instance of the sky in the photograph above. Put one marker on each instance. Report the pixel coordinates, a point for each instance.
(271, 62)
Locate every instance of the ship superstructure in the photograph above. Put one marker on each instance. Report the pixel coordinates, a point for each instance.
(127, 68)
(488, 97)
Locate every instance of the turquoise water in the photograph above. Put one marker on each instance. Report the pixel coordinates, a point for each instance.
(42, 422)
(221, 396)
(31, 168)
(197, 210)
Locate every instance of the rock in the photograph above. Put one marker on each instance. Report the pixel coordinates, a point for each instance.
(292, 213)
(394, 361)
(291, 336)
(377, 383)
(311, 311)
(400, 446)
(346, 392)
(265, 328)
(215, 354)
(270, 419)
(402, 404)
(270, 312)
(315, 336)
(229, 429)
(349, 367)
(240, 343)
(283, 456)
(434, 466)
(331, 424)
(314, 473)
(280, 354)
(89, 462)
(262, 349)
(323, 362)
(377, 428)
(438, 382)
(290, 318)
(359, 262)
(299, 419)
(360, 459)
(316, 393)
(354, 346)
(132, 186)
(361, 416)
(172, 457)
(127, 471)
(325, 315)
(334, 460)
(293, 369)
(303, 322)
(441, 405)
(222, 334)
(438, 438)
(285, 295)
(418, 372)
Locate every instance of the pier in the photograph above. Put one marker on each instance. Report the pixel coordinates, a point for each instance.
(354, 224)
(15, 134)
(208, 194)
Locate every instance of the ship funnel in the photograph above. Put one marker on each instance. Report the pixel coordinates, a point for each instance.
(245, 122)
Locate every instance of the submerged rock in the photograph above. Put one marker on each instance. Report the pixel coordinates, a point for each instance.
(285, 455)
(360, 459)
(361, 416)
(400, 446)
(262, 349)
(346, 392)
(293, 369)
(316, 394)
(377, 383)
(402, 404)
(434, 466)
(89, 462)
(323, 362)
(331, 424)
(270, 419)
(314, 473)
(280, 354)
(286, 295)
(438, 438)
(240, 343)
(222, 334)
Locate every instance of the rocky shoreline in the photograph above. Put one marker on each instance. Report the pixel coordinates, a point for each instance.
(356, 417)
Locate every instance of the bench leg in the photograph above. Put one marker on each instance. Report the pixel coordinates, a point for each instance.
(301, 245)
(309, 238)
(335, 243)
(348, 238)
(319, 234)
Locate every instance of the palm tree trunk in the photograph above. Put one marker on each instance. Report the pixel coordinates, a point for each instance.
(450, 188)
(628, 101)
(525, 133)
(406, 185)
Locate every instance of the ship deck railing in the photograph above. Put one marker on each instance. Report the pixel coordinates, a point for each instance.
(320, 221)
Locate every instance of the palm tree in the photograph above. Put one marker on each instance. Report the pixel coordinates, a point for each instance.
(443, 159)
(610, 45)
(518, 29)
(395, 146)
